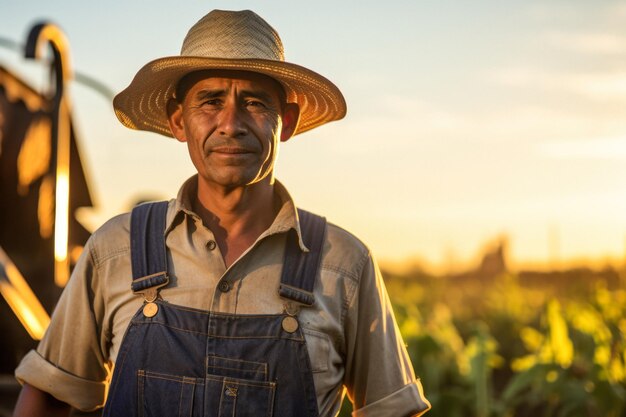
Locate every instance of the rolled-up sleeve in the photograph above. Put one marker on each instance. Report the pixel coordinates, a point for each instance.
(379, 374)
(68, 362)
(80, 393)
(398, 403)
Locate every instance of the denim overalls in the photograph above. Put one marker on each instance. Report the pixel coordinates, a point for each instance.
(179, 361)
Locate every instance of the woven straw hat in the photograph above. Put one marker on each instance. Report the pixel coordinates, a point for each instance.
(228, 40)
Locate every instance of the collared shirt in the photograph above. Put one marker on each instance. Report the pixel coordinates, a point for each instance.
(352, 338)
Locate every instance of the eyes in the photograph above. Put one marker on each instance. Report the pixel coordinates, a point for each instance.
(255, 104)
(251, 104)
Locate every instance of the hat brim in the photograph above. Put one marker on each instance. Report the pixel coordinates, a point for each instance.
(142, 105)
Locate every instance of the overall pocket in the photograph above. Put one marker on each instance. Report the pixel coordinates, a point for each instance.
(231, 397)
(168, 395)
(238, 388)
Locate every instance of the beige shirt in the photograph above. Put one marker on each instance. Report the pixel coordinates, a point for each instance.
(352, 338)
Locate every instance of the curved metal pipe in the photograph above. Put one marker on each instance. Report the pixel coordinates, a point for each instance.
(41, 34)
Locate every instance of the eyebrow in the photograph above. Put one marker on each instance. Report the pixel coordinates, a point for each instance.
(204, 94)
(261, 95)
(216, 93)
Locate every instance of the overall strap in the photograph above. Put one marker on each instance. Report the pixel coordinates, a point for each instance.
(300, 268)
(147, 246)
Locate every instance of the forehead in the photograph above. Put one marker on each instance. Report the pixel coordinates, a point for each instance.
(225, 79)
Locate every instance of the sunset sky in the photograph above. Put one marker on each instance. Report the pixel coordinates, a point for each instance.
(467, 121)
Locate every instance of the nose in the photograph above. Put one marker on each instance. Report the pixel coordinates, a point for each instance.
(231, 121)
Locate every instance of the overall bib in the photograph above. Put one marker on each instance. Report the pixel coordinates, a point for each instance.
(179, 361)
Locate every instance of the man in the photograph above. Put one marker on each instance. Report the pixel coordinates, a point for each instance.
(227, 300)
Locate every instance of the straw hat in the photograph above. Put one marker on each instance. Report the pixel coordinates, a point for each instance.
(234, 41)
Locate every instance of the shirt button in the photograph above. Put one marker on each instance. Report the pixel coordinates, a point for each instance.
(210, 245)
(223, 286)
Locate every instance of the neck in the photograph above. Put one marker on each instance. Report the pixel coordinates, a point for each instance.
(238, 216)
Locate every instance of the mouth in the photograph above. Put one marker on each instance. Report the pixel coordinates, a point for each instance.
(230, 150)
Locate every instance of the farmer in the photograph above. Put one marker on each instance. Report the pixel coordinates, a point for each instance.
(227, 300)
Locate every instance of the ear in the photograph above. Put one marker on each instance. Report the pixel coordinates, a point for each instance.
(291, 116)
(175, 120)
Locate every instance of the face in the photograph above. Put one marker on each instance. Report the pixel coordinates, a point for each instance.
(232, 123)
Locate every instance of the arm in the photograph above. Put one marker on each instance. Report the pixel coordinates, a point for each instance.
(69, 363)
(379, 374)
(33, 402)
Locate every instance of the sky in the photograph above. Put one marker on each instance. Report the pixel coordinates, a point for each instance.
(468, 122)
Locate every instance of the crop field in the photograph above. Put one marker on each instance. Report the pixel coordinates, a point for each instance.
(516, 344)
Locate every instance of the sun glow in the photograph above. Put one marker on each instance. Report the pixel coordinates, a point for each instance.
(61, 222)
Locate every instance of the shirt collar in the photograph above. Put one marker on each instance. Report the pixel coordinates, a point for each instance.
(286, 219)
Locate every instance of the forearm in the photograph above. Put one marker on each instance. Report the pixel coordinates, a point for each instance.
(33, 402)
